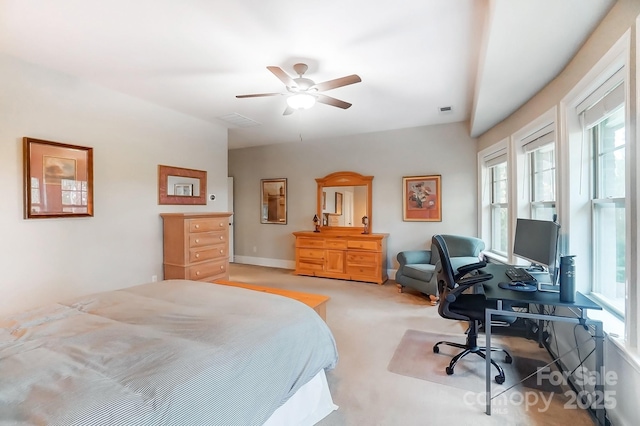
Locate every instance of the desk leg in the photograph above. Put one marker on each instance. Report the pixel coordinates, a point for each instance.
(487, 331)
(599, 388)
(540, 327)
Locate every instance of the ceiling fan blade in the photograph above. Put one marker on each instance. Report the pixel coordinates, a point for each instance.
(288, 110)
(283, 76)
(257, 95)
(338, 82)
(332, 101)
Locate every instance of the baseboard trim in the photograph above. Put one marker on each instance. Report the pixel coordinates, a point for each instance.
(264, 261)
(284, 264)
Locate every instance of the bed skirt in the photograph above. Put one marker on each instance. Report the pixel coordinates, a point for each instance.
(310, 404)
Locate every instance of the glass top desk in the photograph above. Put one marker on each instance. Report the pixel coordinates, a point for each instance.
(493, 292)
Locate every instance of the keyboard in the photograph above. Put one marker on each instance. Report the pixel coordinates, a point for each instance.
(519, 274)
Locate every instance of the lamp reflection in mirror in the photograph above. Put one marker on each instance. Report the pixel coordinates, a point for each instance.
(301, 101)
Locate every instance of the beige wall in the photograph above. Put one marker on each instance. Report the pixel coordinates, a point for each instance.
(388, 156)
(46, 260)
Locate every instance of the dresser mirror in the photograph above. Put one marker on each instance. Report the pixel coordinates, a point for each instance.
(343, 199)
(181, 186)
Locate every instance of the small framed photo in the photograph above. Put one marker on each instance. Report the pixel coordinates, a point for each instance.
(422, 198)
(58, 179)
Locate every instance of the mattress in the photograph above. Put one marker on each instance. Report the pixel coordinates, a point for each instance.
(172, 352)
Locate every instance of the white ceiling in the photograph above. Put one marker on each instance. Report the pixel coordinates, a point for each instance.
(484, 58)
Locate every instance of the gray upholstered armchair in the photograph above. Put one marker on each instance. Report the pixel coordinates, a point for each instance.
(417, 268)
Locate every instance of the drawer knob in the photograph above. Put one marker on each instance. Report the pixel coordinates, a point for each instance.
(197, 255)
(197, 226)
(197, 240)
(222, 267)
(197, 272)
(221, 251)
(221, 237)
(221, 224)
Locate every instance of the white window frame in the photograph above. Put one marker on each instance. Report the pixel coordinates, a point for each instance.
(532, 133)
(485, 158)
(575, 190)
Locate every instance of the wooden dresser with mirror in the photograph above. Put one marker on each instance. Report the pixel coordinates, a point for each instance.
(340, 249)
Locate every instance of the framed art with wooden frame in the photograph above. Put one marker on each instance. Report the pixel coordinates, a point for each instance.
(338, 203)
(422, 198)
(58, 179)
(273, 196)
(177, 185)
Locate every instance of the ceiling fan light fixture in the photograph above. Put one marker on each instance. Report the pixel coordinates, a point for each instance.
(301, 101)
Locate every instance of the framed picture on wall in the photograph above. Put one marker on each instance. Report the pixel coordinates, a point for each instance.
(58, 179)
(273, 196)
(338, 203)
(422, 198)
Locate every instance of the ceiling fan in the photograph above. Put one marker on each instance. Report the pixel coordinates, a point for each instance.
(303, 93)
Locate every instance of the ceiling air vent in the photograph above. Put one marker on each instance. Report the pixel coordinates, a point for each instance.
(238, 120)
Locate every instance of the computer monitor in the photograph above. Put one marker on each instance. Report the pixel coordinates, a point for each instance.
(537, 242)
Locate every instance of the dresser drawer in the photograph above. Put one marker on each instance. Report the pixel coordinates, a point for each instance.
(363, 245)
(208, 224)
(336, 244)
(207, 239)
(362, 258)
(207, 253)
(309, 242)
(208, 269)
(310, 265)
(363, 270)
(306, 253)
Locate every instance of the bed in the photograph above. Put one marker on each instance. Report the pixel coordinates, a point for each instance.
(172, 352)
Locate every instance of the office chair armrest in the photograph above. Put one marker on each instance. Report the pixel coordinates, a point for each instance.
(464, 270)
(466, 283)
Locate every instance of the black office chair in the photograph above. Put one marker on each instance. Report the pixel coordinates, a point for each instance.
(457, 305)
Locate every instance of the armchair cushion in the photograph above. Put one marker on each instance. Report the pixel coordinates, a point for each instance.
(417, 268)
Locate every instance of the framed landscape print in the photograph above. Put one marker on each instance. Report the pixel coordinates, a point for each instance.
(422, 198)
(58, 179)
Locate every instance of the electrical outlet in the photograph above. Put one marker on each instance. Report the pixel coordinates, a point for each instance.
(154, 278)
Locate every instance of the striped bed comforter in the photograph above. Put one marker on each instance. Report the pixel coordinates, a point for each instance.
(175, 352)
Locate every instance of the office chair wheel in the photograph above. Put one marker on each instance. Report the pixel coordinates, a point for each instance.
(449, 371)
(499, 379)
(508, 359)
(436, 350)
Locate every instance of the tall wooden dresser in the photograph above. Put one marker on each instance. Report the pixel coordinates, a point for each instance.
(347, 255)
(196, 246)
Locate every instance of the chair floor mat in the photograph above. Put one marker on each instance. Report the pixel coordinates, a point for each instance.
(414, 357)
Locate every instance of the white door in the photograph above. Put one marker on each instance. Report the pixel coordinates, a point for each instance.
(348, 208)
(230, 209)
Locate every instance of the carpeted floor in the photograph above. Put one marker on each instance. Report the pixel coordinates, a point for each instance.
(369, 323)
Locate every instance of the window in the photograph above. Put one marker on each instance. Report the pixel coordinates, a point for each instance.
(603, 121)
(608, 210)
(499, 206)
(541, 159)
